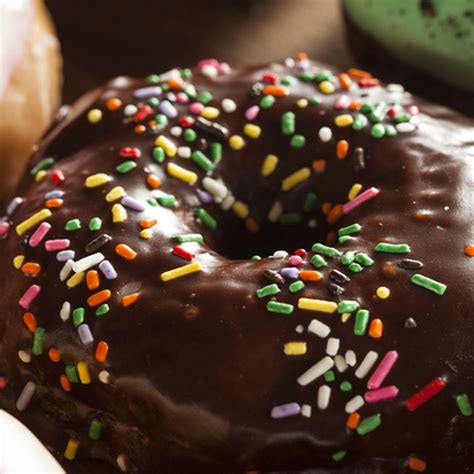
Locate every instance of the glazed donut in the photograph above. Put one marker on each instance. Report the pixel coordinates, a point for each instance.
(245, 270)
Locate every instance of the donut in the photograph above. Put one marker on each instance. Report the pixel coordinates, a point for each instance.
(238, 270)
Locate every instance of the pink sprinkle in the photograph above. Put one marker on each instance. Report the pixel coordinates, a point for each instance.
(384, 393)
(29, 296)
(4, 226)
(196, 108)
(252, 112)
(3, 383)
(224, 68)
(382, 370)
(343, 102)
(39, 234)
(57, 244)
(208, 62)
(295, 260)
(360, 199)
(182, 98)
(413, 110)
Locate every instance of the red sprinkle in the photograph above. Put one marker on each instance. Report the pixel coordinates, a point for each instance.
(3, 383)
(300, 252)
(130, 152)
(180, 252)
(427, 392)
(270, 77)
(368, 82)
(186, 121)
(143, 113)
(57, 176)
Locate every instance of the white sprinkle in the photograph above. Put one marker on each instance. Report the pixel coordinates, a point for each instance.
(319, 328)
(318, 369)
(341, 364)
(395, 88)
(275, 212)
(129, 110)
(24, 356)
(184, 152)
(405, 127)
(228, 202)
(324, 394)
(171, 96)
(171, 74)
(299, 329)
(216, 188)
(66, 270)
(25, 396)
(176, 131)
(306, 411)
(228, 105)
(280, 254)
(289, 62)
(332, 346)
(87, 262)
(209, 71)
(104, 376)
(122, 462)
(65, 312)
(325, 134)
(354, 404)
(366, 364)
(351, 358)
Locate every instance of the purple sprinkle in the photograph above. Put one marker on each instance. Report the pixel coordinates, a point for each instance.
(85, 334)
(204, 196)
(108, 270)
(288, 409)
(65, 255)
(13, 205)
(167, 108)
(303, 65)
(290, 272)
(146, 92)
(55, 194)
(132, 203)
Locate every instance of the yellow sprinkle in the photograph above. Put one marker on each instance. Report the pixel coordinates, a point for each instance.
(94, 115)
(317, 305)
(252, 130)
(181, 271)
(327, 87)
(295, 178)
(269, 165)
(382, 292)
(183, 174)
(119, 214)
(210, 113)
(18, 261)
(345, 317)
(241, 209)
(355, 190)
(146, 234)
(236, 142)
(114, 194)
(83, 372)
(35, 219)
(294, 348)
(97, 180)
(343, 120)
(167, 145)
(302, 103)
(40, 175)
(71, 449)
(75, 280)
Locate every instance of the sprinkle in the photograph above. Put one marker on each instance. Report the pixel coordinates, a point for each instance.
(330, 376)
(429, 284)
(115, 194)
(416, 464)
(294, 348)
(464, 404)
(345, 386)
(361, 198)
(180, 271)
(83, 372)
(71, 373)
(97, 180)
(268, 290)
(354, 404)
(320, 329)
(102, 309)
(332, 346)
(288, 123)
(108, 270)
(354, 191)
(347, 306)
(469, 250)
(203, 216)
(353, 420)
(128, 300)
(71, 449)
(342, 148)
(316, 371)
(18, 261)
(381, 394)
(392, 248)
(306, 411)
(99, 298)
(182, 238)
(30, 321)
(87, 262)
(119, 214)
(94, 115)
(38, 341)
(125, 252)
(296, 286)
(382, 292)
(95, 224)
(95, 429)
(276, 91)
(376, 328)
(29, 296)
(325, 250)
(132, 203)
(324, 395)
(40, 176)
(75, 280)
(32, 221)
(325, 134)
(310, 275)
(427, 392)
(167, 145)
(236, 142)
(13, 205)
(146, 92)
(286, 410)
(361, 322)
(281, 308)
(183, 253)
(97, 243)
(65, 311)
(366, 364)
(101, 351)
(54, 354)
(327, 87)
(295, 178)
(363, 259)
(72, 225)
(252, 130)
(25, 396)
(405, 127)
(344, 120)
(228, 105)
(317, 305)
(78, 316)
(181, 173)
(125, 167)
(202, 160)
(341, 364)
(369, 424)
(39, 234)
(85, 334)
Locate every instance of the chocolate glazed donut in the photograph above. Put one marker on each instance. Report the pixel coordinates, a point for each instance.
(139, 335)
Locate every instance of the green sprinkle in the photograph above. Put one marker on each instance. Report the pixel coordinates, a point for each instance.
(305, 76)
(310, 202)
(190, 91)
(347, 306)
(429, 284)
(38, 341)
(189, 135)
(323, 75)
(318, 261)
(288, 80)
(153, 102)
(464, 404)
(345, 386)
(182, 238)
(164, 87)
(72, 225)
(42, 165)
(329, 376)
(360, 122)
(363, 259)
(277, 307)
(290, 218)
(167, 200)
(216, 151)
(361, 322)
(161, 119)
(102, 309)
(296, 286)
(367, 108)
(153, 202)
(71, 373)
(268, 290)
(355, 267)
(152, 79)
(158, 154)
(348, 257)
(377, 130)
(186, 73)
(378, 112)
(256, 257)
(350, 229)
(298, 141)
(338, 455)
(315, 100)
(345, 238)
(288, 123)
(206, 218)
(267, 101)
(369, 424)
(78, 316)
(126, 167)
(325, 250)
(404, 117)
(205, 97)
(392, 248)
(202, 160)
(95, 429)
(390, 131)
(95, 224)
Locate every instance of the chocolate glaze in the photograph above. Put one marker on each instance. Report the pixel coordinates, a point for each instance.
(197, 363)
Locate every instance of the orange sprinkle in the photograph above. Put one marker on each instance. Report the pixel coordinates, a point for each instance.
(98, 298)
(125, 252)
(376, 328)
(335, 214)
(175, 83)
(65, 383)
(319, 165)
(128, 300)
(152, 123)
(113, 104)
(310, 275)
(277, 91)
(31, 268)
(355, 105)
(147, 223)
(353, 420)
(101, 351)
(54, 354)
(359, 73)
(139, 129)
(153, 181)
(342, 148)
(344, 80)
(92, 279)
(416, 464)
(326, 208)
(30, 321)
(301, 56)
(54, 203)
(252, 225)
(469, 250)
